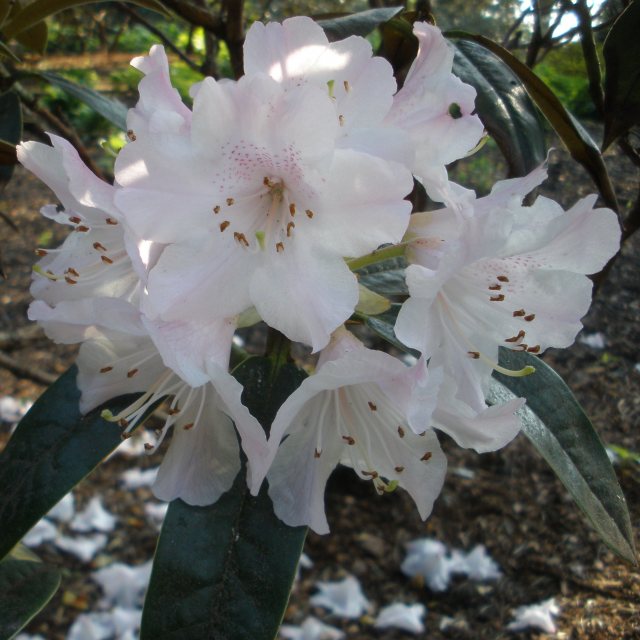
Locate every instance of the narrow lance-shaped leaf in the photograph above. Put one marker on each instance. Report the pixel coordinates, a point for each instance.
(357, 24)
(26, 585)
(38, 10)
(504, 107)
(557, 426)
(52, 449)
(113, 110)
(622, 80)
(579, 143)
(225, 571)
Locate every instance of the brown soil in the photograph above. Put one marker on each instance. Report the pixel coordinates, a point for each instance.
(513, 505)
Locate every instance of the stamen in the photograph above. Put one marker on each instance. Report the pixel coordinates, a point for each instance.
(534, 349)
(341, 120)
(188, 426)
(292, 209)
(401, 432)
(530, 317)
(230, 201)
(224, 224)
(495, 287)
(426, 457)
(106, 369)
(398, 469)
(519, 313)
(372, 406)
(346, 85)
(75, 219)
(111, 221)
(316, 453)
(290, 227)
(45, 274)
(148, 446)
(309, 213)
(498, 298)
(503, 279)
(279, 247)
(349, 440)
(131, 135)
(132, 373)
(520, 336)
(72, 271)
(82, 228)
(371, 474)
(216, 209)
(241, 238)
(474, 354)
(41, 252)
(69, 280)
(99, 246)
(106, 259)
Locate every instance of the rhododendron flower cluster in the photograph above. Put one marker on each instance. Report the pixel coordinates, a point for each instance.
(254, 205)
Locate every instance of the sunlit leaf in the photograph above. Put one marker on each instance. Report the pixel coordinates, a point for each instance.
(504, 107)
(225, 571)
(51, 450)
(357, 24)
(622, 80)
(579, 143)
(26, 585)
(113, 110)
(561, 432)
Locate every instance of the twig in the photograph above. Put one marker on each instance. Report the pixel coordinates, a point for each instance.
(197, 16)
(24, 371)
(15, 339)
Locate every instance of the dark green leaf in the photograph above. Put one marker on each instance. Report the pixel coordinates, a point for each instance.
(622, 80)
(385, 278)
(225, 571)
(10, 134)
(561, 432)
(5, 9)
(38, 10)
(580, 145)
(113, 110)
(398, 44)
(357, 24)
(35, 37)
(383, 324)
(504, 107)
(52, 449)
(26, 585)
(4, 50)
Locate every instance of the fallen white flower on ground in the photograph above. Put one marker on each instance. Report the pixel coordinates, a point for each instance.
(119, 624)
(84, 547)
(136, 478)
(156, 511)
(537, 616)
(402, 616)
(94, 517)
(64, 510)
(12, 410)
(124, 585)
(42, 531)
(343, 598)
(593, 340)
(311, 629)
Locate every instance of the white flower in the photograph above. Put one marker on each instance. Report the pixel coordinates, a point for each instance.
(429, 559)
(268, 205)
(538, 616)
(344, 598)
(398, 615)
(356, 409)
(311, 629)
(94, 517)
(497, 274)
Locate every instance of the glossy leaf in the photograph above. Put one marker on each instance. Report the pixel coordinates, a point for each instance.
(38, 10)
(112, 110)
(26, 585)
(385, 277)
(51, 450)
(10, 133)
(579, 143)
(504, 107)
(398, 43)
(35, 37)
(225, 571)
(357, 24)
(5, 9)
(561, 432)
(622, 78)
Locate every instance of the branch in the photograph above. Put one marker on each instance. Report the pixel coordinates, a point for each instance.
(594, 73)
(197, 16)
(25, 371)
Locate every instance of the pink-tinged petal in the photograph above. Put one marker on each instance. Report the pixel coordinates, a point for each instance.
(203, 460)
(187, 347)
(363, 206)
(487, 430)
(160, 108)
(105, 363)
(72, 321)
(252, 435)
(320, 285)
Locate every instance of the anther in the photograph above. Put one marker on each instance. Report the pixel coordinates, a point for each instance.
(426, 457)
(148, 446)
(81, 228)
(73, 272)
(372, 406)
(534, 349)
(503, 278)
(520, 335)
(132, 373)
(125, 435)
(290, 227)
(309, 213)
(98, 246)
(69, 280)
(349, 440)
(266, 182)
(188, 426)
(41, 252)
(495, 287)
(341, 120)
(346, 85)
(224, 224)
(111, 221)
(279, 247)
(131, 135)
(530, 317)
(240, 237)
(372, 474)
(398, 469)
(401, 432)
(474, 354)
(106, 259)
(498, 298)
(216, 209)
(292, 209)
(172, 412)
(123, 423)
(106, 369)
(75, 219)
(230, 201)
(316, 453)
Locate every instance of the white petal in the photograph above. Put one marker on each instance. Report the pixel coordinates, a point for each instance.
(407, 617)
(343, 598)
